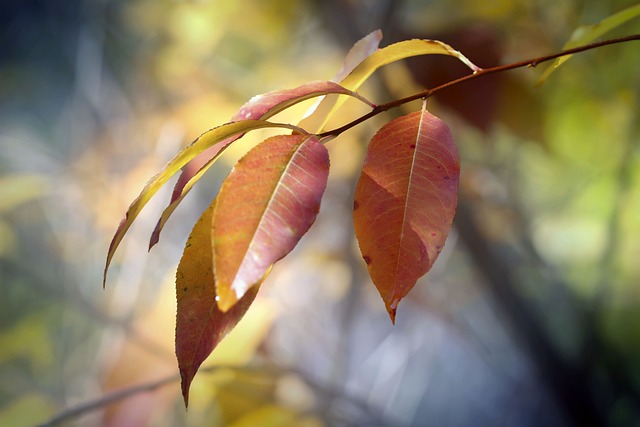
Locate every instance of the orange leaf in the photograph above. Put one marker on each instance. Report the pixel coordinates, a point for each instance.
(200, 325)
(405, 202)
(203, 142)
(266, 204)
(259, 107)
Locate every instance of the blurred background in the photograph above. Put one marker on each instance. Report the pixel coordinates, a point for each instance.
(531, 316)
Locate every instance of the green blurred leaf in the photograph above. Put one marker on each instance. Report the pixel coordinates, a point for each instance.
(587, 33)
(18, 189)
(26, 410)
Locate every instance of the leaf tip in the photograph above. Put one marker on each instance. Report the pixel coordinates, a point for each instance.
(155, 236)
(185, 384)
(392, 307)
(226, 298)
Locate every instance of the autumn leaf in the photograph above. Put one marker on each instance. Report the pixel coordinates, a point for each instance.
(200, 325)
(358, 53)
(361, 49)
(382, 57)
(266, 204)
(259, 107)
(205, 141)
(405, 202)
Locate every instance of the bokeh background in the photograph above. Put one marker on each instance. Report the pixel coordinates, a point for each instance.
(530, 317)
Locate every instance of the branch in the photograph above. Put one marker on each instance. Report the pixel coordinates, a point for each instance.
(106, 400)
(329, 392)
(484, 72)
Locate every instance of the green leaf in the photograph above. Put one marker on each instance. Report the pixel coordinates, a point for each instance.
(585, 34)
(384, 56)
(200, 325)
(405, 202)
(205, 141)
(259, 107)
(265, 206)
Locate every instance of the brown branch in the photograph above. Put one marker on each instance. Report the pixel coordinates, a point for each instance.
(328, 392)
(106, 400)
(484, 72)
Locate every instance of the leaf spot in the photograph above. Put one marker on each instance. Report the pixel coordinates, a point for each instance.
(356, 205)
(367, 259)
(412, 146)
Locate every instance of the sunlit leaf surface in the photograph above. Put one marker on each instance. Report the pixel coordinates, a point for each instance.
(205, 141)
(381, 57)
(405, 202)
(200, 325)
(266, 204)
(259, 107)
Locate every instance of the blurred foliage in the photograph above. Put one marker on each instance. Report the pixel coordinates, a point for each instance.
(95, 96)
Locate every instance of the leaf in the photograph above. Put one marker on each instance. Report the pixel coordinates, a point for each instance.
(259, 107)
(587, 33)
(381, 57)
(266, 204)
(405, 202)
(358, 53)
(205, 141)
(200, 325)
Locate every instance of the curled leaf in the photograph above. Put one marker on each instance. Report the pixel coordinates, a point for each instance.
(205, 141)
(266, 204)
(259, 107)
(358, 53)
(200, 325)
(379, 58)
(405, 202)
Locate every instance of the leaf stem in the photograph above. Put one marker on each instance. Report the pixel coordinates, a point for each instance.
(477, 74)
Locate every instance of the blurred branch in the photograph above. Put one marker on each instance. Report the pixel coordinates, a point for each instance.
(106, 400)
(375, 417)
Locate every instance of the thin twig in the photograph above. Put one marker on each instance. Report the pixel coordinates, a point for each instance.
(71, 413)
(484, 72)
(106, 400)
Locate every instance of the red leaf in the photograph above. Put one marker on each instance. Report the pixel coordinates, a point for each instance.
(200, 325)
(259, 107)
(206, 140)
(405, 202)
(266, 204)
